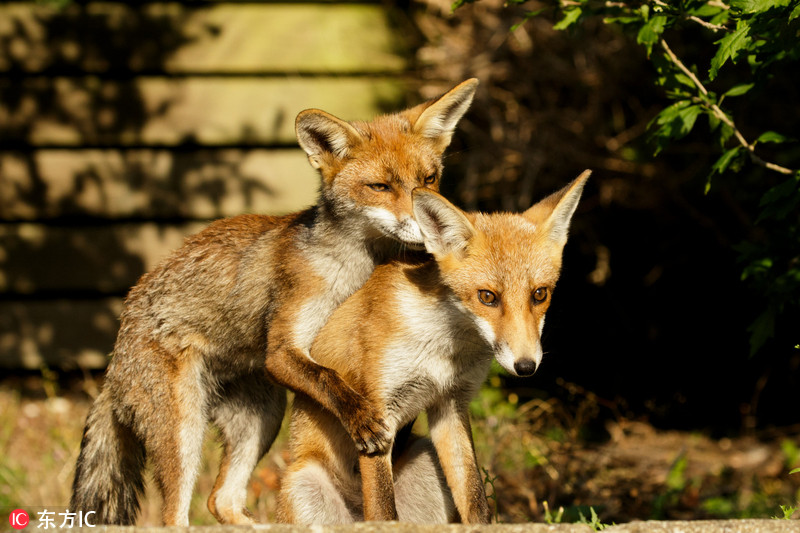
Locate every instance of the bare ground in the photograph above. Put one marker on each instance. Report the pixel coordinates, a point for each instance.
(536, 461)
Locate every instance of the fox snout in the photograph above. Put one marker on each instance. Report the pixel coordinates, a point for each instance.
(521, 362)
(407, 231)
(403, 228)
(525, 367)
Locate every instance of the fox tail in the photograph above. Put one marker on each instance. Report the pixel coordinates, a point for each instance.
(109, 475)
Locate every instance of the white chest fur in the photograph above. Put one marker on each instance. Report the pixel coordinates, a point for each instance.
(343, 274)
(438, 352)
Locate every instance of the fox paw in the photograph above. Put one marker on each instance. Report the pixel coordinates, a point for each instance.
(375, 440)
(370, 433)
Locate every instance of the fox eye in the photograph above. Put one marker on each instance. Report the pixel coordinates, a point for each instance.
(539, 295)
(379, 187)
(487, 298)
(430, 180)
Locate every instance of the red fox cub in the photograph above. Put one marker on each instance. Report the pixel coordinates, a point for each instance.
(420, 335)
(216, 331)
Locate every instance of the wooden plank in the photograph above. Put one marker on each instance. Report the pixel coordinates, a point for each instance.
(63, 333)
(168, 111)
(218, 38)
(196, 184)
(36, 258)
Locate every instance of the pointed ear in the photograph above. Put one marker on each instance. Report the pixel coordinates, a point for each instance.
(554, 213)
(439, 119)
(322, 135)
(444, 227)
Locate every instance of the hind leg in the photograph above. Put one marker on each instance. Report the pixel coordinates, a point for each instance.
(171, 422)
(310, 496)
(248, 412)
(421, 492)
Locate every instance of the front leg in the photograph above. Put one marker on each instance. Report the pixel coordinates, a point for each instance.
(377, 487)
(292, 367)
(452, 437)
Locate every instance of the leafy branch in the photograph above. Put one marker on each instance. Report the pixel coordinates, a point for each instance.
(761, 37)
(721, 115)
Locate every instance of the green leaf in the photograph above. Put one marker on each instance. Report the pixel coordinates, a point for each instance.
(721, 18)
(739, 89)
(722, 164)
(725, 133)
(725, 159)
(787, 189)
(570, 17)
(729, 47)
(752, 6)
(780, 200)
(671, 113)
(704, 10)
(458, 3)
(795, 471)
(761, 330)
(684, 80)
(686, 119)
(650, 33)
(795, 13)
(674, 122)
(621, 20)
(713, 122)
(772, 137)
(529, 15)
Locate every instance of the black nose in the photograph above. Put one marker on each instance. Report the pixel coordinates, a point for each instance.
(525, 367)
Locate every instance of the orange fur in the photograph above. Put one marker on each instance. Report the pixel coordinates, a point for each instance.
(419, 335)
(214, 331)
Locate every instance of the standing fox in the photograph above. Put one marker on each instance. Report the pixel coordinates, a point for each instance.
(420, 335)
(212, 332)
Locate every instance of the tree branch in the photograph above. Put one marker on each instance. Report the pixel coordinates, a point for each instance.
(705, 24)
(698, 20)
(721, 115)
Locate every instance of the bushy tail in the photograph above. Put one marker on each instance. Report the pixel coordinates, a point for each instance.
(109, 475)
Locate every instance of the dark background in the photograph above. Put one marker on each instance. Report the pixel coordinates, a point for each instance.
(650, 313)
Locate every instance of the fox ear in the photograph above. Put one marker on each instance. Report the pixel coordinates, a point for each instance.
(444, 227)
(322, 135)
(439, 118)
(554, 213)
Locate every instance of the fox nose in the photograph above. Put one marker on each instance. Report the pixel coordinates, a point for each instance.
(525, 367)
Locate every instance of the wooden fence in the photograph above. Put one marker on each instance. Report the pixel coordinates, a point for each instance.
(126, 126)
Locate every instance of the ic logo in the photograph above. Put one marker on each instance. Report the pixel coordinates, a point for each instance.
(18, 519)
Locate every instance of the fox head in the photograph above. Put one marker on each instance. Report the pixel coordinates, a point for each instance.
(369, 169)
(502, 268)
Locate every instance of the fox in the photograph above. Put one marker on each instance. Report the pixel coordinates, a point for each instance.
(418, 336)
(221, 328)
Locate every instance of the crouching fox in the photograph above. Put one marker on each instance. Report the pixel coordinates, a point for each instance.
(420, 336)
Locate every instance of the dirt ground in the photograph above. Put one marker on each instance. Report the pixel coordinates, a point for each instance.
(538, 461)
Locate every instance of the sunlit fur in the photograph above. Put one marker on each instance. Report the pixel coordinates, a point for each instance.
(211, 332)
(415, 338)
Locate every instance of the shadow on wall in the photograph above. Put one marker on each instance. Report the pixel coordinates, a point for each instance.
(90, 193)
(83, 96)
(124, 127)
